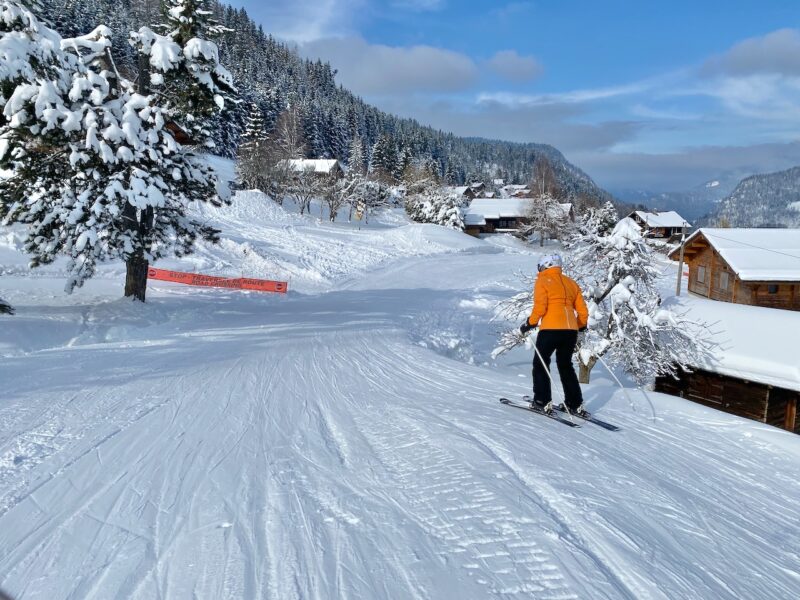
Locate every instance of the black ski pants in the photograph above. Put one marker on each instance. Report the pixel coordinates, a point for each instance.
(562, 342)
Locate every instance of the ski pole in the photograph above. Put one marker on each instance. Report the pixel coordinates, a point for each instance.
(553, 383)
(625, 391)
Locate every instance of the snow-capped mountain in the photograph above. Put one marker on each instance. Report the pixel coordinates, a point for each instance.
(692, 204)
(768, 200)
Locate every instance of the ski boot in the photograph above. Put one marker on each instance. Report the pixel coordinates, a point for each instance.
(578, 412)
(546, 409)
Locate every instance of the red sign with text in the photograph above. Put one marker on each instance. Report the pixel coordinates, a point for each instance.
(237, 283)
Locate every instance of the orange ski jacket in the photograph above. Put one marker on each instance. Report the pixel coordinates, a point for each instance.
(557, 302)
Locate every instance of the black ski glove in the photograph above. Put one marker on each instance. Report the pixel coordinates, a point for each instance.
(584, 328)
(526, 327)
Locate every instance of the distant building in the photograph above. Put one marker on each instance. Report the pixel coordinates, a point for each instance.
(318, 166)
(462, 191)
(513, 189)
(753, 371)
(660, 225)
(498, 182)
(505, 215)
(495, 215)
(759, 267)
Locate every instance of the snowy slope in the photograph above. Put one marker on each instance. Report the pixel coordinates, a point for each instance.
(345, 441)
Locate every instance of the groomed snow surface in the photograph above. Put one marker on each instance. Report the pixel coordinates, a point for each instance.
(345, 441)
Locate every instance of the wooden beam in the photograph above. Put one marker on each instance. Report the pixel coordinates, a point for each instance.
(791, 413)
(766, 405)
(711, 275)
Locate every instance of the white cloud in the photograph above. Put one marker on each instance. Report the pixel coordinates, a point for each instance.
(379, 70)
(775, 53)
(514, 67)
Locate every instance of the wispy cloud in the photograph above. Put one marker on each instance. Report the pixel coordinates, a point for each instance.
(420, 5)
(514, 67)
(305, 20)
(569, 97)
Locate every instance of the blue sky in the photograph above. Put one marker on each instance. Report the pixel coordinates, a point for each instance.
(657, 95)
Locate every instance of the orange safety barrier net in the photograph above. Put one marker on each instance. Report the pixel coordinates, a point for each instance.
(238, 283)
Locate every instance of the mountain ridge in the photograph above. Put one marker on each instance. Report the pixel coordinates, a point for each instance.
(763, 200)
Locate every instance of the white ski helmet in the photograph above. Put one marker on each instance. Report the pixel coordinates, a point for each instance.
(549, 260)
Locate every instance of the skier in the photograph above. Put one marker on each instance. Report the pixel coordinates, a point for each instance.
(560, 313)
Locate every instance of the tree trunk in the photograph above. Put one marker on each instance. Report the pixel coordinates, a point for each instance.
(541, 239)
(584, 371)
(136, 277)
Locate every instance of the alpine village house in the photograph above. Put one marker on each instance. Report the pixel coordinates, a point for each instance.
(755, 372)
(660, 225)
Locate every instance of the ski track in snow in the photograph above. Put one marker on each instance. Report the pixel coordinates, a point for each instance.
(226, 445)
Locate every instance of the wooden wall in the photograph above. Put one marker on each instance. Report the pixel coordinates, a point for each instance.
(756, 401)
(787, 296)
(740, 292)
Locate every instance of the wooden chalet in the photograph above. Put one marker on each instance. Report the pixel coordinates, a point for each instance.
(660, 225)
(505, 215)
(759, 267)
(494, 215)
(754, 370)
(478, 187)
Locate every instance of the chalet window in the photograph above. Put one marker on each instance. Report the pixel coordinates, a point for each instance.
(701, 274)
(772, 289)
(723, 281)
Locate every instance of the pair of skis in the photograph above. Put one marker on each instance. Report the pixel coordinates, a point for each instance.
(556, 414)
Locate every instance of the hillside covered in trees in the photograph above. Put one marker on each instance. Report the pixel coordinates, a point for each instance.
(272, 75)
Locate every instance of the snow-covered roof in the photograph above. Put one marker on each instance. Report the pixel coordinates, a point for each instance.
(498, 181)
(318, 165)
(752, 340)
(481, 209)
(755, 254)
(662, 219)
(457, 190)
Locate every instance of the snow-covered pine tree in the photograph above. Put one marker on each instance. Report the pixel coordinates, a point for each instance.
(95, 173)
(184, 70)
(357, 162)
(184, 67)
(383, 161)
(252, 165)
(402, 163)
